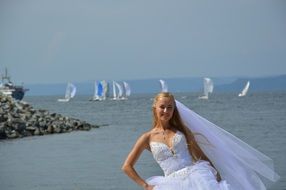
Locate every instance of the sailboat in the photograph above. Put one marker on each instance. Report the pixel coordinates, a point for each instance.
(117, 91)
(245, 89)
(98, 91)
(164, 86)
(127, 90)
(70, 93)
(208, 88)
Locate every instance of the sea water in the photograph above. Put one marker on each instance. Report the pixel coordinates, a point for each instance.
(92, 160)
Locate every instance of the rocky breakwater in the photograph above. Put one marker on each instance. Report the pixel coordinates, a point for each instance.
(20, 119)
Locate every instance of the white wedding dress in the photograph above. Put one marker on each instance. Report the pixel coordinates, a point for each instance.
(241, 166)
(181, 173)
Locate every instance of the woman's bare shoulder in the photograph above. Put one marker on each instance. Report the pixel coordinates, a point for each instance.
(149, 135)
(152, 132)
(145, 138)
(146, 135)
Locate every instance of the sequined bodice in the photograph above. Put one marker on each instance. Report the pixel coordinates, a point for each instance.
(174, 158)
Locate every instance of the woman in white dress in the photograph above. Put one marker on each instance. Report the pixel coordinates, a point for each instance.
(194, 154)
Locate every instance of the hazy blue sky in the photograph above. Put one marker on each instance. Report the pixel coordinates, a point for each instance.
(50, 41)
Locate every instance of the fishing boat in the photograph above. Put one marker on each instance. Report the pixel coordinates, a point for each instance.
(8, 88)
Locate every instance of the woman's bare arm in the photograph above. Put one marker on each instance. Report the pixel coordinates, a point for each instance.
(128, 166)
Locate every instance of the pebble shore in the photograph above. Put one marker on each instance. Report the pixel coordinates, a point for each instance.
(19, 119)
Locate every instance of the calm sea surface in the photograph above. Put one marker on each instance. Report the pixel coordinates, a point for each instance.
(91, 160)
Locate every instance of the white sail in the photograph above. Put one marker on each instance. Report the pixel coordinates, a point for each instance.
(208, 88)
(114, 90)
(95, 95)
(127, 89)
(117, 91)
(105, 89)
(245, 89)
(120, 91)
(70, 92)
(72, 89)
(164, 86)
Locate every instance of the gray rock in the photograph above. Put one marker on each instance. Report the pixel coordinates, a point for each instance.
(20, 119)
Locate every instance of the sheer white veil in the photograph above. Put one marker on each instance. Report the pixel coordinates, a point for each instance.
(242, 166)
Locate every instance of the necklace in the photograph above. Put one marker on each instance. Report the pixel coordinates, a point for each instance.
(164, 135)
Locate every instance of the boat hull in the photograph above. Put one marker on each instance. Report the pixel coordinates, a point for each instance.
(18, 93)
(203, 97)
(64, 100)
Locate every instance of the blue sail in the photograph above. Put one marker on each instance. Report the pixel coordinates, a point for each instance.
(99, 89)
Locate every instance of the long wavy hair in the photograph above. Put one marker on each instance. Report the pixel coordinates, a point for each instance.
(176, 122)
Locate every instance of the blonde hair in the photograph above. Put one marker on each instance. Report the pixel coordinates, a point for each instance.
(177, 123)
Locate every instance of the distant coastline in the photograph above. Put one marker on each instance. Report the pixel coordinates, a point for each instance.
(184, 84)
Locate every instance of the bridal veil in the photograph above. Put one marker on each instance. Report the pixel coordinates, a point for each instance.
(242, 166)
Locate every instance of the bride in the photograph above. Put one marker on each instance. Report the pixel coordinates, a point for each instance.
(195, 154)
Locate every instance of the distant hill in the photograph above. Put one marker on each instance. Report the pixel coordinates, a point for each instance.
(58, 89)
(137, 86)
(274, 83)
(192, 84)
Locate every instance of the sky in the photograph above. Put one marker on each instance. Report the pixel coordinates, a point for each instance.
(55, 41)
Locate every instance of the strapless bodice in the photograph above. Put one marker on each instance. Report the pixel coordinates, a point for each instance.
(173, 158)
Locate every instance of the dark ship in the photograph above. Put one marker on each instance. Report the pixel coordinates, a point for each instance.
(9, 89)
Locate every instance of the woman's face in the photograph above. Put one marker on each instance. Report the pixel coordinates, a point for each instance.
(164, 108)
